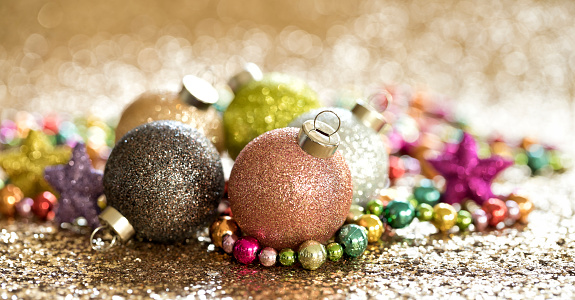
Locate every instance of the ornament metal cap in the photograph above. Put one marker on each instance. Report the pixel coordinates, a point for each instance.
(318, 138)
(368, 116)
(198, 92)
(113, 220)
(250, 73)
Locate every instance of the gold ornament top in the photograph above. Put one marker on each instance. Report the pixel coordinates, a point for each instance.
(25, 165)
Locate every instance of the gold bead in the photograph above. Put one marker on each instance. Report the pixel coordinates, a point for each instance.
(525, 206)
(9, 196)
(444, 216)
(373, 225)
(225, 225)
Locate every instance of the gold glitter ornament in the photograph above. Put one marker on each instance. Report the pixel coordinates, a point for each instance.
(312, 255)
(444, 216)
(192, 106)
(25, 166)
(10, 195)
(225, 225)
(261, 106)
(283, 195)
(373, 225)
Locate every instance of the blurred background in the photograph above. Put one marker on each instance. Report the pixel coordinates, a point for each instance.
(503, 65)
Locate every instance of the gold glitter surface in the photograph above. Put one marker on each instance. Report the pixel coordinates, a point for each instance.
(508, 64)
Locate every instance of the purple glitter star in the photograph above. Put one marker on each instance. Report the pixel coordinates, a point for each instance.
(468, 176)
(79, 186)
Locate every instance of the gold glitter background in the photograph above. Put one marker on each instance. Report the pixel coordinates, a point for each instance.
(507, 66)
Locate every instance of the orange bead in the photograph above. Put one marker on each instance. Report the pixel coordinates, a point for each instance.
(525, 206)
(9, 196)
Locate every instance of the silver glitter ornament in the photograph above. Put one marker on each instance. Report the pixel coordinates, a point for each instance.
(362, 148)
(163, 178)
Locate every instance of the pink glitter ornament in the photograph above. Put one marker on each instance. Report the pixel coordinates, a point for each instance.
(283, 195)
(246, 249)
(268, 257)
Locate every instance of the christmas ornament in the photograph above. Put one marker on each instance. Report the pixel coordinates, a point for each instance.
(399, 214)
(263, 105)
(464, 219)
(334, 251)
(24, 207)
(287, 257)
(424, 212)
(361, 147)
(355, 211)
(79, 186)
(228, 243)
(246, 249)
(10, 196)
(444, 216)
(427, 193)
(374, 207)
(192, 106)
(513, 210)
(163, 181)
(496, 211)
(43, 207)
(251, 72)
(480, 219)
(312, 255)
(525, 206)
(466, 174)
(25, 166)
(353, 239)
(268, 257)
(224, 226)
(289, 186)
(373, 225)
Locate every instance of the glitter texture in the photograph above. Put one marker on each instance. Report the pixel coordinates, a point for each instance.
(362, 149)
(151, 107)
(283, 196)
(166, 178)
(264, 105)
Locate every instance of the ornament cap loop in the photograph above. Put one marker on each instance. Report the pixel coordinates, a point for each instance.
(318, 138)
(369, 116)
(118, 224)
(250, 72)
(100, 244)
(198, 92)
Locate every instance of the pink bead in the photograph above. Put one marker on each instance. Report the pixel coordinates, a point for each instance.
(268, 256)
(513, 211)
(228, 243)
(246, 249)
(496, 211)
(480, 219)
(24, 207)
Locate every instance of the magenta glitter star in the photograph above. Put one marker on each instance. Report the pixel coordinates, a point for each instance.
(79, 186)
(468, 176)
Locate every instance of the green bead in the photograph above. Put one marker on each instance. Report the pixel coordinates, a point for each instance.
(374, 207)
(399, 214)
(521, 158)
(287, 257)
(537, 158)
(334, 251)
(413, 201)
(312, 255)
(353, 239)
(464, 219)
(427, 194)
(555, 160)
(424, 212)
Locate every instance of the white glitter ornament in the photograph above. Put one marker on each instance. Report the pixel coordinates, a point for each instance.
(361, 146)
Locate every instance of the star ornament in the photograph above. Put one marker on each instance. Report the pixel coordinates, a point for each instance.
(466, 175)
(25, 165)
(79, 186)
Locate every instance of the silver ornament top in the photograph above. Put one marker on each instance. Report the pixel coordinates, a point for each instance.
(198, 92)
(114, 221)
(318, 138)
(250, 73)
(368, 116)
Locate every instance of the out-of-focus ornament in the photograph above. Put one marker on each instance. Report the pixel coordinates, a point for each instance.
(228, 243)
(312, 255)
(282, 176)
(251, 72)
(79, 186)
(374, 207)
(43, 207)
(480, 219)
(353, 239)
(464, 219)
(192, 106)
(268, 256)
(287, 257)
(24, 207)
(224, 226)
(373, 225)
(427, 193)
(264, 105)
(25, 166)
(444, 216)
(246, 249)
(525, 206)
(361, 145)
(537, 157)
(163, 181)
(399, 214)
(334, 251)
(10, 196)
(468, 176)
(496, 211)
(424, 212)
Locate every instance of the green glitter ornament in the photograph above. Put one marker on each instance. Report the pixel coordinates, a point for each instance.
(424, 212)
(399, 214)
(353, 239)
(464, 219)
(334, 251)
(261, 106)
(374, 207)
(287, 257)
